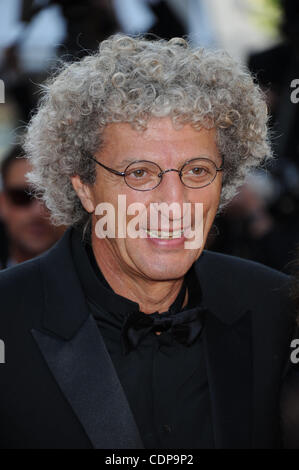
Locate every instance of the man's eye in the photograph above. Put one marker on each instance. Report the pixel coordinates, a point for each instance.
(139, 173)
(198, 171)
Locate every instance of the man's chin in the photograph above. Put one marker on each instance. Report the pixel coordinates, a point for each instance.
(164, 272)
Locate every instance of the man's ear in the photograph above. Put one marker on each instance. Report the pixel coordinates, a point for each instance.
(84, 193)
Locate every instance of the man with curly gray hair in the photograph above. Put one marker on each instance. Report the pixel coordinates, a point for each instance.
(127, 333)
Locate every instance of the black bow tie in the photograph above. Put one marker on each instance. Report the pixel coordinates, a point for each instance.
(184, 326)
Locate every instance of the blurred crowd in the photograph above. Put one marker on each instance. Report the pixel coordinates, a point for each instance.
(261, 223)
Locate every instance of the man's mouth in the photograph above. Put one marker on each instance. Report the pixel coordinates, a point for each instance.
(165, 234)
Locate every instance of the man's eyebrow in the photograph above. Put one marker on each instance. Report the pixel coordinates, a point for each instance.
(126, 162)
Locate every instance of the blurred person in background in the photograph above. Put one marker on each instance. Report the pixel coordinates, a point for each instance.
(275, 69)
(87, 23)
(28, 230)
(265, 228)
(168, 22)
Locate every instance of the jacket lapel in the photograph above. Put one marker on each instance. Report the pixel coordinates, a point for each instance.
(76, 354)
(85, 374)
(228, 349)
(229, 368)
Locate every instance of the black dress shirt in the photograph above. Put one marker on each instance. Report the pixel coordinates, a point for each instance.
(165, 382)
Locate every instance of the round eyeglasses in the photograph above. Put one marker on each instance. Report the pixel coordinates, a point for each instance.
(144, 175)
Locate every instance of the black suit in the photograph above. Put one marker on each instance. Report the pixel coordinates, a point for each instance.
(59, 388)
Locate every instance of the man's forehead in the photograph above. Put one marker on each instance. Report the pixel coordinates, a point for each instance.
(159, 131)
(123, 144)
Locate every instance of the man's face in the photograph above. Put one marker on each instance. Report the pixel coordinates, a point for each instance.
(27, 225)
(154, 258)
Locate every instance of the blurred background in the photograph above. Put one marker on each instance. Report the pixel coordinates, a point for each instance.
(262, 222)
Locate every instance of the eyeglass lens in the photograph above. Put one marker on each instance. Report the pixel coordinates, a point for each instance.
(144, 175)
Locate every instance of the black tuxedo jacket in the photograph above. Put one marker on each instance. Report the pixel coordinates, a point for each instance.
(59, 389)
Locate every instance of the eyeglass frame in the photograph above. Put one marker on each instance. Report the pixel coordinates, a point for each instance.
(162, 172)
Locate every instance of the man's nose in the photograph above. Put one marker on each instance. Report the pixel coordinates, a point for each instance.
(171, 189)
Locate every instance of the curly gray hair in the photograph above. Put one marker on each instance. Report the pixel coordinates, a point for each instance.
(131, 80)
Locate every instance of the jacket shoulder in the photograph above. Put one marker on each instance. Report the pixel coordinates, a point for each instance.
(231, 284)
(20, 284)
(27, 277)
(240, 268)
